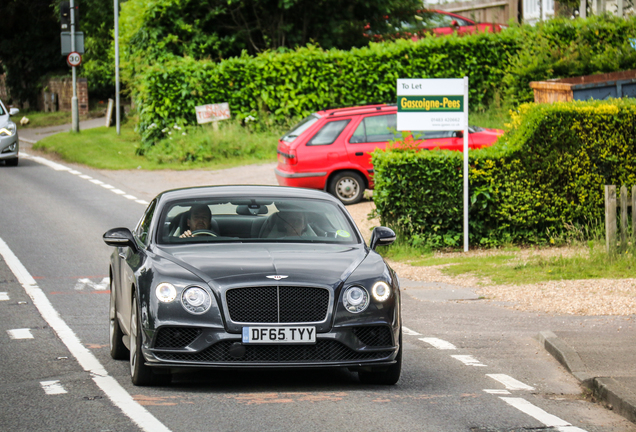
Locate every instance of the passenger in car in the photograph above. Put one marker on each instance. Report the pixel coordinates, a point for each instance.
(199, 218)
(290, 224)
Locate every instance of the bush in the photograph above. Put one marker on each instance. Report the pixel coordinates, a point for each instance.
(543, 178)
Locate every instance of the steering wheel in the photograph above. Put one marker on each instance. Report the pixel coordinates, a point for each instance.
(203, 232)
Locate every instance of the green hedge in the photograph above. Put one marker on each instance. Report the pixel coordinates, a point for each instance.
(541, 178)
(291, 85)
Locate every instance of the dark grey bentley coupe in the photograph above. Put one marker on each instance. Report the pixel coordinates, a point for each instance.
(252, 277)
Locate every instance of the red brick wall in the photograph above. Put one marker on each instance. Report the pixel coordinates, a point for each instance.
(63, 87)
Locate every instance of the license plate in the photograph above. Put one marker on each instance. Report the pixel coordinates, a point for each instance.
(279, 335)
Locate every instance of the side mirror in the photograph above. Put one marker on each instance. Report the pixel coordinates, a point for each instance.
(13, 111)
(454, 23)
(459, 134)
(382, 236)
(119, 237)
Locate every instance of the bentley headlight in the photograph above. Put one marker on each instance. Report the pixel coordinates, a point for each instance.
(381, 291)
(8, 130)
(166, 292)
(356, 299)
(196, 300)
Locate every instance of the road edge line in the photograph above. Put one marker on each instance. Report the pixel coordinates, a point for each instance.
(113, 390)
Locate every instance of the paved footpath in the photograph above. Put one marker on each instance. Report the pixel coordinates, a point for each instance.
(601, 354)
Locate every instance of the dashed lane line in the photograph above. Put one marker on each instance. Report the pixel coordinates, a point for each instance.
(468, 360)
(4, 296)
(409, 332)
(109, 385)
(439, 343)
(59, 167)
(509, 382)
(53, 387)
(23, 333)
(538, 414)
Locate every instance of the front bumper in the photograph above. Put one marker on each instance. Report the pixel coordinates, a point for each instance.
(5, 147)
(355, 347)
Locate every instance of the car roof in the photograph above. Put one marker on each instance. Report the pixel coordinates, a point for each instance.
(356, 110)
(250, 191)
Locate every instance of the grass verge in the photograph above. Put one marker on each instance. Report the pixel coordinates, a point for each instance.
(199, 148)
(39, 119)
(518, 266)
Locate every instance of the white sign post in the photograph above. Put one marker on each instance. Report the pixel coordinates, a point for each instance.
(436, 104)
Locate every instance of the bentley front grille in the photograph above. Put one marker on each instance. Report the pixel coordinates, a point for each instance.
(322, 351)
(283, 304)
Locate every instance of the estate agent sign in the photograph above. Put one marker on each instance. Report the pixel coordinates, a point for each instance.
(436, 104)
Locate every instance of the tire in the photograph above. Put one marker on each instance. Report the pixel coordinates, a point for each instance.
(348, 187)
(388, 376)
(140, 374)
(118, 350)
(12, 162)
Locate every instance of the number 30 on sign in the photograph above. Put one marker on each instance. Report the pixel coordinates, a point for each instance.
(74, 59)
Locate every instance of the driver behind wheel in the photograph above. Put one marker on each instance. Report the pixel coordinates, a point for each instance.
(199, 218)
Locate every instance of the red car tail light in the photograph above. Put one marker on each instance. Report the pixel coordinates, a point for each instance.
(287, 156)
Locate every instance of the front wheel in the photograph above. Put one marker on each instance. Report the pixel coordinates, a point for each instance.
(12, 162)
(118, 350)
(348, 187)
(140, 374)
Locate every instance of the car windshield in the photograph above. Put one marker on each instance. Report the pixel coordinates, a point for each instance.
(210, 220)
(301, 127)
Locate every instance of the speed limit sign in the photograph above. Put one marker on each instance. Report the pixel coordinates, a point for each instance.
(74, 59)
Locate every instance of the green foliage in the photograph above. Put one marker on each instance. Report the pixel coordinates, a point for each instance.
(294, 84)
(561, 48)
(29, 47)
(540, 183)
(231, 143)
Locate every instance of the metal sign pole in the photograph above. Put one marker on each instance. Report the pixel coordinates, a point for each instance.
(74, 110)
(117, 106)
(466, 201)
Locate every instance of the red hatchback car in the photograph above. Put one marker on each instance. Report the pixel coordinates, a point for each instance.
(330, 149)
(437, 22)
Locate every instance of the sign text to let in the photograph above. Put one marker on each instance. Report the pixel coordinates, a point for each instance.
(212, 112)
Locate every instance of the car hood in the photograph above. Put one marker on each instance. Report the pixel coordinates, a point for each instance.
(228, 265)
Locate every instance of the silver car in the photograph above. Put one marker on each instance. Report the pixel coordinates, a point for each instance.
(9, 145)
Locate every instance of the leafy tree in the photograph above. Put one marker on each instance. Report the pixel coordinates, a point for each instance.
(156, 30)
(29, 46)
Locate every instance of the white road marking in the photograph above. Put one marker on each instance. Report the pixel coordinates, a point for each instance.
(51, 164)
(468, 360)
(537, 413)
(59, 167)
(408, 331)
(115, 392)
(52, 387)
(497, 391)
(439, 343)
(24, 333)
(4, 296)
(510, 382)
(83, 282)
